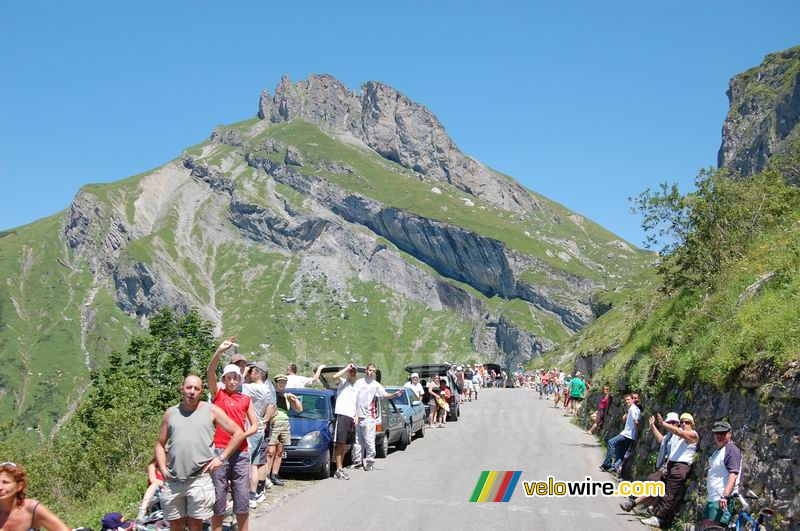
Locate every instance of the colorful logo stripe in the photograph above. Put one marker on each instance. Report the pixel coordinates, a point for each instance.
(495, 486)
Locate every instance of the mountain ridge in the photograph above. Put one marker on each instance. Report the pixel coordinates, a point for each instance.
(309, 245)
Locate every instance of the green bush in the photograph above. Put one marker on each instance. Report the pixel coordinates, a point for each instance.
(96, 463)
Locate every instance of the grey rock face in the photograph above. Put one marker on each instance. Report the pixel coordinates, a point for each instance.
(83, 230)
(226, 136)
(82, 224)
(142, 291)
(519, 345)
(764, 113)
(483, 263)
(264, 226)
(293, 157)
(212, 176)
(397, 128)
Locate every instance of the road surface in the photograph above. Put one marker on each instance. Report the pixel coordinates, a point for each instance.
(430, 483)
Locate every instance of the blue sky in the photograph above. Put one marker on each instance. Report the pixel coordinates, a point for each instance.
(584, 102)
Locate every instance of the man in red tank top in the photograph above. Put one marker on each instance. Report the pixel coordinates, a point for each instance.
(236, 468)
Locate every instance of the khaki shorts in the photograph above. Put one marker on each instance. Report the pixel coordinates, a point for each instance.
(193, 498)
(280, 433)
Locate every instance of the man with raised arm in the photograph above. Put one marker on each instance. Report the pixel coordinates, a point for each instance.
(187, 437)
(368, 389)
(236, 468)
(344, 429)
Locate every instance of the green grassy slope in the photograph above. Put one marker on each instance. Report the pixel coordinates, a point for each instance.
(665, 342)
(42, 366)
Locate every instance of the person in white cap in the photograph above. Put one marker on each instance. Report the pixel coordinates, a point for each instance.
(236, 468)
(675, 456)
(415, 386)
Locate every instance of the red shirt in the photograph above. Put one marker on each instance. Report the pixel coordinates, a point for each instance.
(234, 405)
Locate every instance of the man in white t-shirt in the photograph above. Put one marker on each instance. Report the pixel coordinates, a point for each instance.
(368, 390)
(295, 381)
(344, 430)
(620, 444)
(724, 474)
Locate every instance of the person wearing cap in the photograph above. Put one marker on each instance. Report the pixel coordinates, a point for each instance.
(344, 428)
(236, 468)
(675, 456)
(240, 361)
(262, 396)
(281, 434)
(188, 430)
(415, 386)
(724, 474)
(114, 521)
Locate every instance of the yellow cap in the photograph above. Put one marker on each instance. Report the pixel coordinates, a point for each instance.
(687, 416)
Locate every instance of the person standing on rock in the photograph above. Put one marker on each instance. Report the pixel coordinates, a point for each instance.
(185, 456)
(236, 468)
(368, 389)
(619, 445)
(344, 428)
(724, 474)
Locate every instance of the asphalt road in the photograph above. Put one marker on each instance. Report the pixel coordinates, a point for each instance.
(430, 484)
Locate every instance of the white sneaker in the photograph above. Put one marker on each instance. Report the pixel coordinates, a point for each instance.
(652, 521)
(260, 497)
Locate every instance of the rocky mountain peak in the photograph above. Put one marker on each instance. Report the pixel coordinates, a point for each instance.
(397, 128)
(764, 113)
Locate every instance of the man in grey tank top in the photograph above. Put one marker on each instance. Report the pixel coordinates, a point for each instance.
(185, 456)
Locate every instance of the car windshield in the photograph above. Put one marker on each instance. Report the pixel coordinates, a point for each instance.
(401, 400)
(314, 407)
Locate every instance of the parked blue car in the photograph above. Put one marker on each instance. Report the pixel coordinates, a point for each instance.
(311, 450)
(412, 409)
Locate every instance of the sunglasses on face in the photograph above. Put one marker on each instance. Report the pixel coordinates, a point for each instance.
(686, 422)
(723, 434)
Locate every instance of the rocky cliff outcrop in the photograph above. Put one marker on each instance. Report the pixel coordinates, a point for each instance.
(483, 263)
(397, 128)
(764, 113)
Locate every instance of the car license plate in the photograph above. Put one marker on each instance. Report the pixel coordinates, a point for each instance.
(283, 455)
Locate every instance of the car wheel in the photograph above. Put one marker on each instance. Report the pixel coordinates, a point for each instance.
(405, 439)
(382, 449)
(324, 471)
(421, 432)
